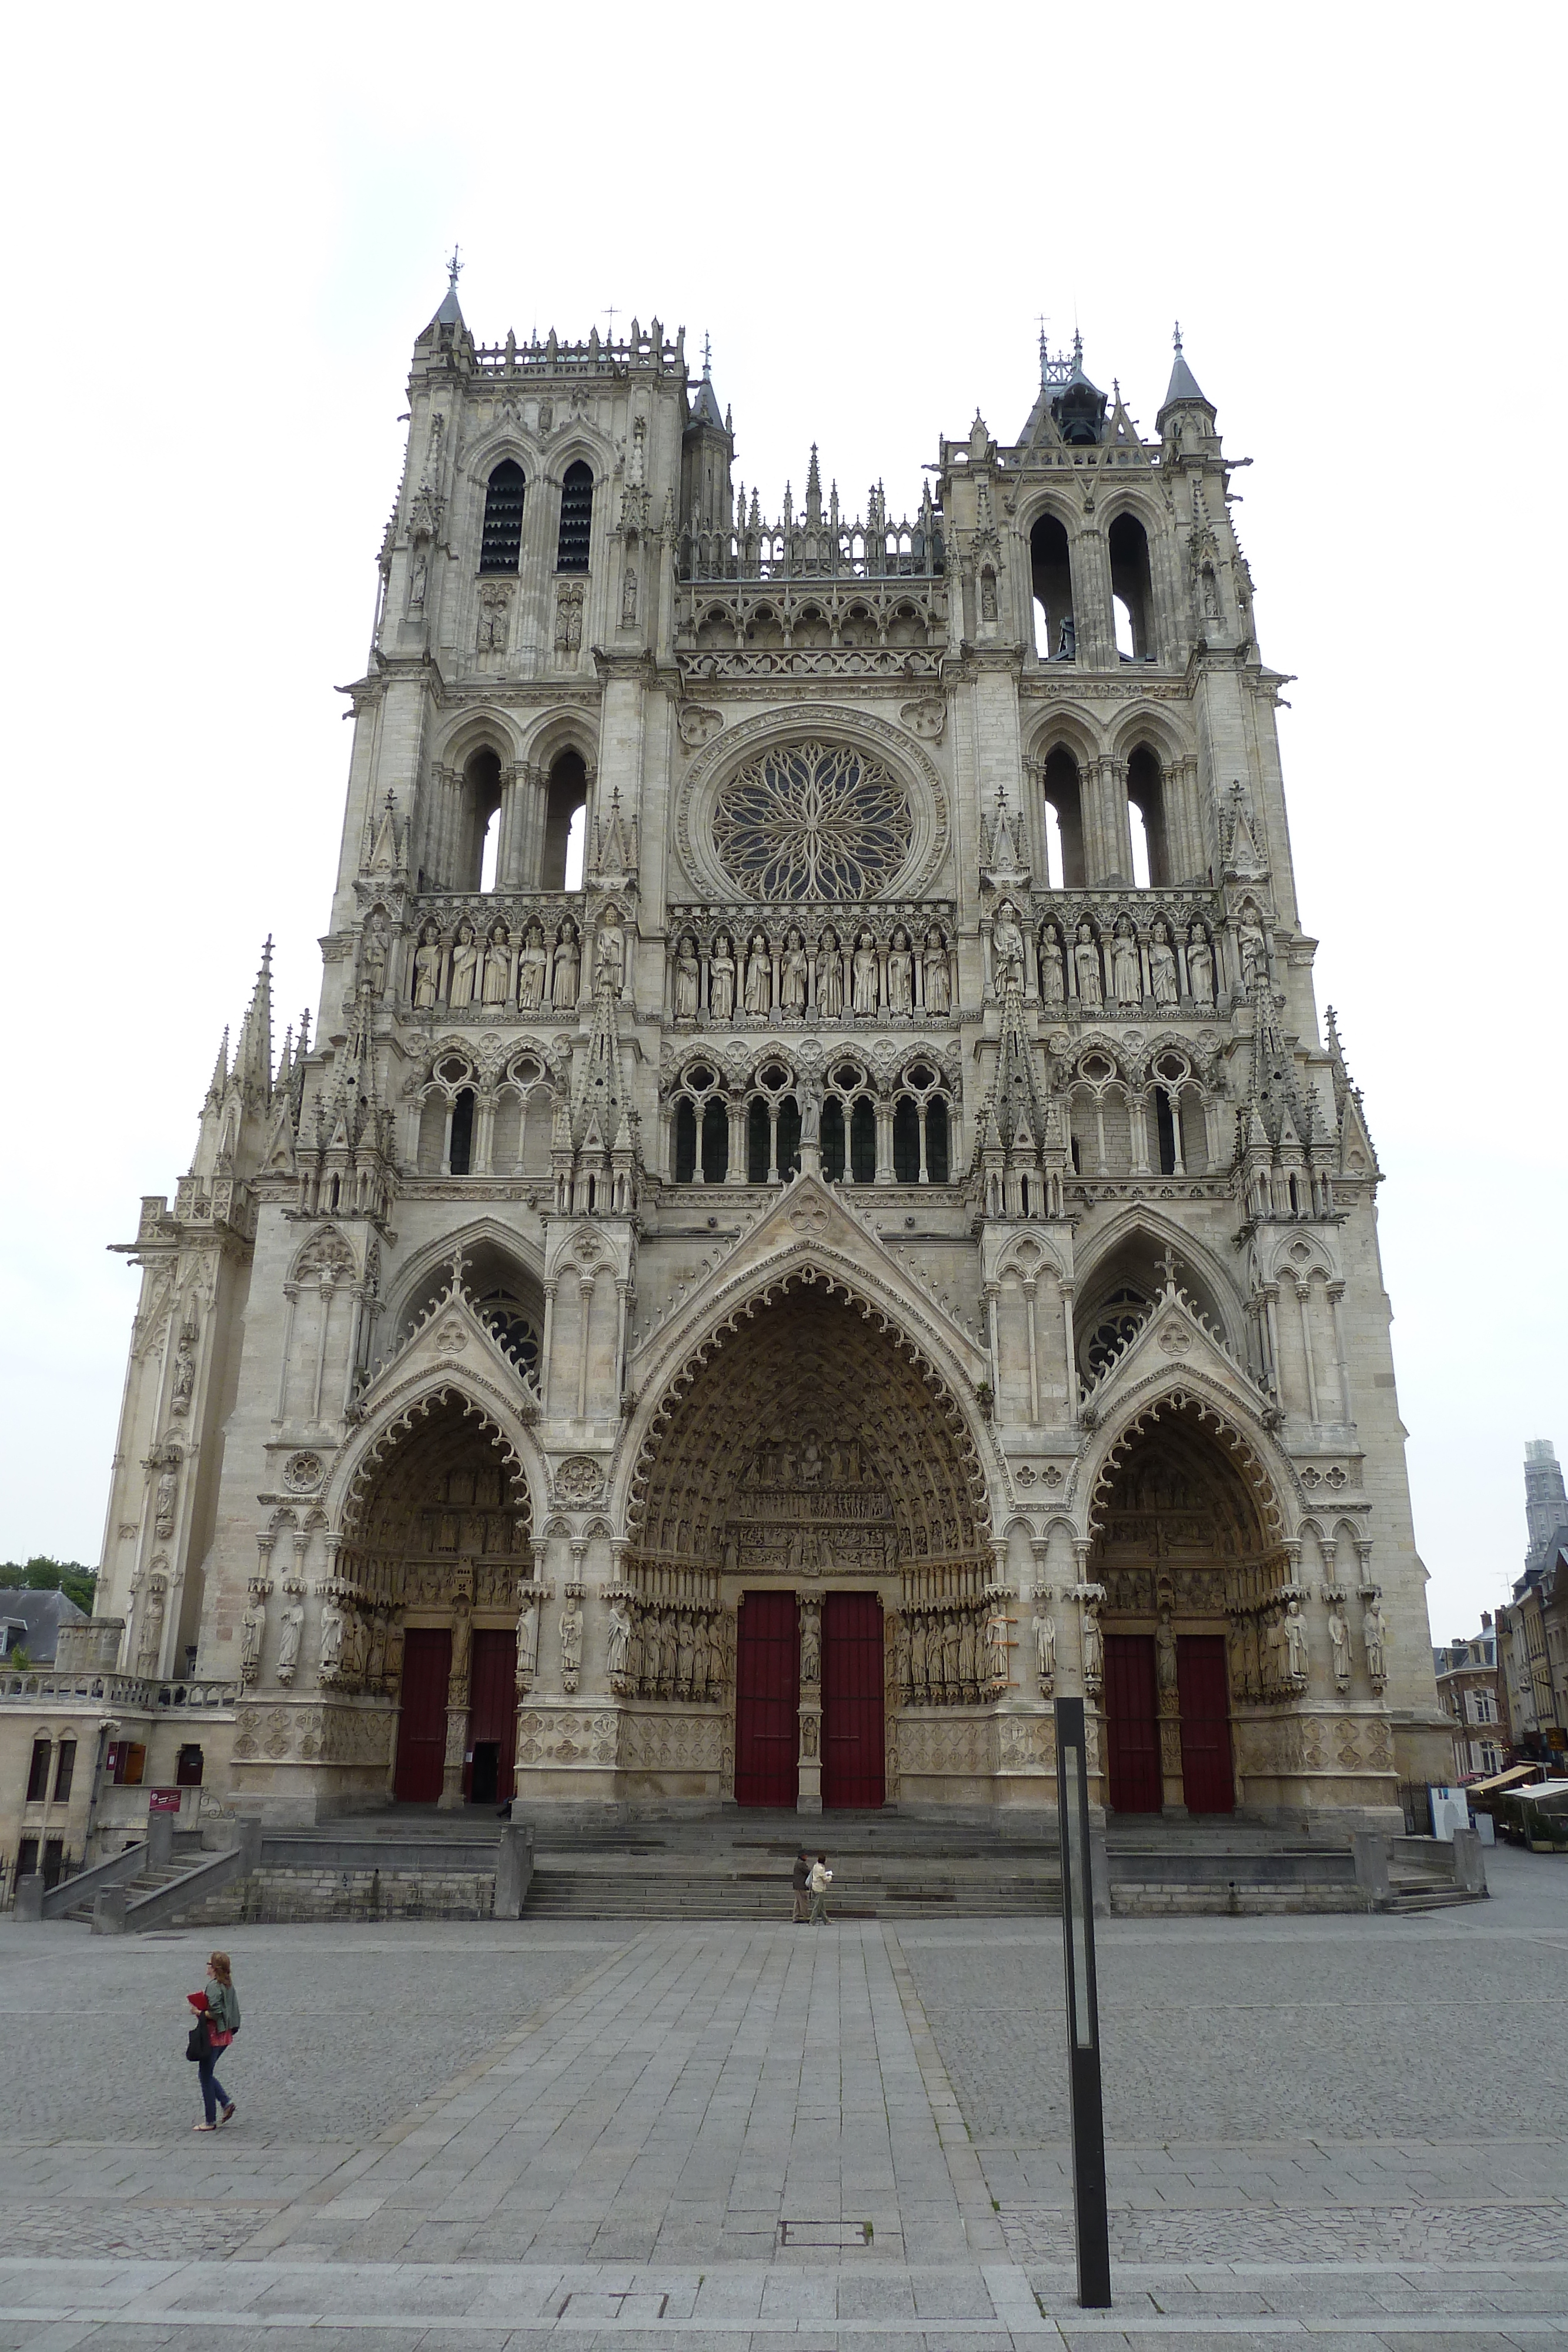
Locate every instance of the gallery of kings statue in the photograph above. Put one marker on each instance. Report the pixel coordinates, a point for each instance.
(818, 1212)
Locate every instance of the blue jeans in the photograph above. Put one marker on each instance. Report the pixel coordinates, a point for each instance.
(213, 2095)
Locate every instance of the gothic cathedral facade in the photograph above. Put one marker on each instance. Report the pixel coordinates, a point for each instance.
(818, 1214)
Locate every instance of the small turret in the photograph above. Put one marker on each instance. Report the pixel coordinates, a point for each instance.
(708, 454)
(1187, 418)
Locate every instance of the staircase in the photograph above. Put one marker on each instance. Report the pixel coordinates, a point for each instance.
(149, 1880)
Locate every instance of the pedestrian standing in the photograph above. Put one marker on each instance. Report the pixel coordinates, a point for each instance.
(819, 1882)
(802, 1872)
(217, 2022)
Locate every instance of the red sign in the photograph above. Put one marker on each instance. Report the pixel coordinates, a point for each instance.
(162, 1800)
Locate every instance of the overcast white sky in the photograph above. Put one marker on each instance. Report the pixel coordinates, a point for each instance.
(222, 230)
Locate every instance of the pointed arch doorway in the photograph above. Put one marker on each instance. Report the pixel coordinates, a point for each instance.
(817, 1480)
(1180, 1535)
(441, 1547)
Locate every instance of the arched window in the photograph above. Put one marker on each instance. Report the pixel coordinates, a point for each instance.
(685, 1141)
(460, 1152)
(1050, 570)
(502, 543)
(936, 1139)
(715, 1141)
(1065, 836)
(1166, 1122)
(862, 1142)
(1146, 812)
(834, 1139)
(1132, 586)
(1140, 841)
(565, 803)
(756, 1141)
(905, 1141)
(481, 821)
(576, 517)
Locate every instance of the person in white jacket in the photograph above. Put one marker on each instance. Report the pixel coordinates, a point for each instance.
(819, 1882)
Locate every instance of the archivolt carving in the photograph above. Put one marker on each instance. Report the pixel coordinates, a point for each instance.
(1218, 1423)
(360, 1478)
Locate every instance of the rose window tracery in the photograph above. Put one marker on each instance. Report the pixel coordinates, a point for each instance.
(813, 821)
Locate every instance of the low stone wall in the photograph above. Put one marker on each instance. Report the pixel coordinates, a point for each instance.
(273, 1895)
(1132, 1901)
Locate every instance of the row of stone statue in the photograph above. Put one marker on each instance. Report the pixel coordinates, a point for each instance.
(532, 971)
(835, 980)
(1119, 968)
(951, 1656)
(1271, 1653)
(671, 1653)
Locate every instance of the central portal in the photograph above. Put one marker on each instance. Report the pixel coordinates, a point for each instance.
(777, 1721)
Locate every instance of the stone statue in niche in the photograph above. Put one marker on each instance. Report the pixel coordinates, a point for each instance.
(811, 1643)
(528, 1634)
(1094, 1648)
(1126, 980)
(420, 579)
(568, 964)
(291, 1631)
(688, 979)
(1044, 1630)
(163, 1505)
(494, 610)
(810, 1724)
(997, 1665)
(900, 973)
(150, 1641)
(252, 1630)
(1086, 970)
(1006, 946)
(629, 597)
(1052, 968)
(721, 979)
(185, 1378)
(864, 976)
(758, 975)
(811, 1115)
(1165, 1657)
(497, 966)
(331, 1653)
(917, 1660)
(792, 975)
(1210, 594)
(829, 977)
(465, 964)
(374, 956)
(988, 595)
(1163, 967)
(571, 1642)
(1373, 1640)
(612, 951)
(427, 967)
(685, 1652)
(939, 975)
(1339, 1646)
(1295, 1632)
(901, 1654)
(533, 964)
(1199, 965)
(1254, 953)
(375, 1661)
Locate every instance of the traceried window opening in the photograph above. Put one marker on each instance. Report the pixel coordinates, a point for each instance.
(905, 1141)
(862, 1143)
(460, 1150)
(1051, 581)
(685, 1141)
(715, 1141)
(1132, 587)
(502, 543)
(1146, 815)
(813, 821)
(833, 1140)
(756, 1141)
(513, 1325)
(576, 519)
(1166, 1123)
(1140, 846)
(566, 804)
(937, 1145)
(1063, 799)
(39, 1772)
(1116, 1325)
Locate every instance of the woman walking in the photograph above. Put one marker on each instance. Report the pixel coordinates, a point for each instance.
(216, 2023)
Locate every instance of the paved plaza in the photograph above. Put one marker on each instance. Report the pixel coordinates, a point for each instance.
(1347, 2131)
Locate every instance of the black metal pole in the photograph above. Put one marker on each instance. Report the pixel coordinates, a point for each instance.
(1088, 2204)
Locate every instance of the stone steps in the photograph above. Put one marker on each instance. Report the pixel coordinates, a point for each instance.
(146, 1882)
(561, 1892)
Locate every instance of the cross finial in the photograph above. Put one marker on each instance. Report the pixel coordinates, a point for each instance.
(1040, 320)
(1168, 1268)
(454, 270)
(459, 1264)
(1176, 337)
(707, 356)
(610, 314)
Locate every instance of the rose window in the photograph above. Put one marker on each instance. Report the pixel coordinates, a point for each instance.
(813, 821)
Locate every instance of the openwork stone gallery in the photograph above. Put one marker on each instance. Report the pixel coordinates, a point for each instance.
(818, 1212)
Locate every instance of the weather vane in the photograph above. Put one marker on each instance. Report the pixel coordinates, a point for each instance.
(454, 270)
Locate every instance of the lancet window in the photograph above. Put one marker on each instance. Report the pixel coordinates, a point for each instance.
(501, 544)
(576, 519)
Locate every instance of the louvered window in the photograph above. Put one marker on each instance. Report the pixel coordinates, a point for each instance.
(576, 515)
(503, 541)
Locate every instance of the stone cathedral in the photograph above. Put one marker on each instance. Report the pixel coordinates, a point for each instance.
(817, 1213)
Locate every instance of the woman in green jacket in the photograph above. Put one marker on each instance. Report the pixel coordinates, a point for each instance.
(222, 2020)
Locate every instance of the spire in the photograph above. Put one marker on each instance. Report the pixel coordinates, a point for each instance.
(813, 490)
(450, 314)
(704, 407)
(220, 1076)
(253, 1054)
(1183, 384)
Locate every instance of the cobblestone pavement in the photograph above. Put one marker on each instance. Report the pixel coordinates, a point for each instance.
(726, 2136)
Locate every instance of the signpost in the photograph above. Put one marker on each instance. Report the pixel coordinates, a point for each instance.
(1083, 2011)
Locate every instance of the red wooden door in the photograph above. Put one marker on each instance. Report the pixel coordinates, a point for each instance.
(493, 1716)
(852, 1754)
(1132, 1723)
(1203, 1679)
(422, 1725)
(767, 1700)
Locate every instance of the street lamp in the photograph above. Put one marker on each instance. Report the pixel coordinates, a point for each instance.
(1083, 2011)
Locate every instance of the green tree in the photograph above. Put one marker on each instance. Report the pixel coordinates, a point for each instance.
(41, 1574)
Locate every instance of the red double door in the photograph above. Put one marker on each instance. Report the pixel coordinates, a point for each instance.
(768, 1700)
(491, 1743)
(1132, 1728)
